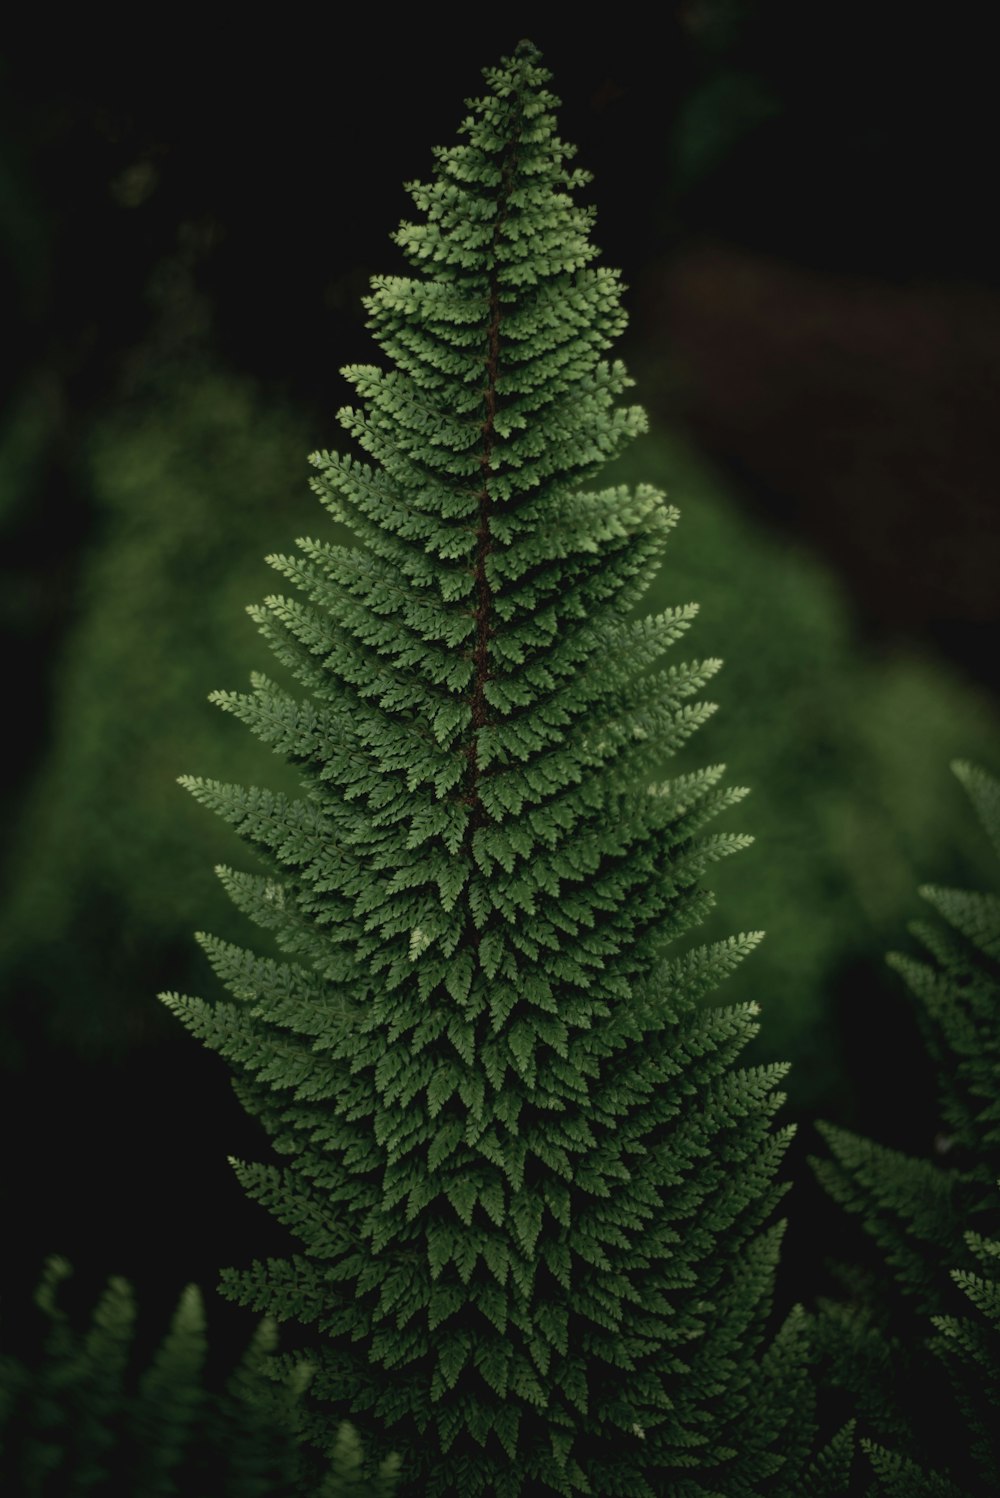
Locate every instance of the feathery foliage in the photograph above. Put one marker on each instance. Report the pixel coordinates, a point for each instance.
(531, 1184)
(83, 1419)
(926, 1365)
(103, 868)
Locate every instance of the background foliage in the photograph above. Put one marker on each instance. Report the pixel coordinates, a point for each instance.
(84, 1412)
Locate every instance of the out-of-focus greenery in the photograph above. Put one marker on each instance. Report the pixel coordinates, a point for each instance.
(110, 869)
(918, 1328)
(841, 748)
(196, 480)
(82, 1418)
(24, 429)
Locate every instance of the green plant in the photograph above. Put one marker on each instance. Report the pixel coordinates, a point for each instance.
(532, 1185)
(102, 811)
(83, 1419)
(929, 1344)
(103, 869)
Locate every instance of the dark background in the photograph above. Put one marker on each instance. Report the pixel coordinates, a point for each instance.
(801, 198)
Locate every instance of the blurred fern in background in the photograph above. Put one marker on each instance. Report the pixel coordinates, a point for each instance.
(917, 1344)
(79, 1415)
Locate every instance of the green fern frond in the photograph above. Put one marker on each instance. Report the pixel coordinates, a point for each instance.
(531, 1182)
(936, 1222)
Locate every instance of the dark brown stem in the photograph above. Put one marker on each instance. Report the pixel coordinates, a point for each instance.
(484, 540)
(483, 593)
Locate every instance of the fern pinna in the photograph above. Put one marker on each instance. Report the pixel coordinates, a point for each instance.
(530, 1183)
(925, 1365)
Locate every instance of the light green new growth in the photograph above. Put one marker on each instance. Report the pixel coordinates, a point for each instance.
(531, 1184)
